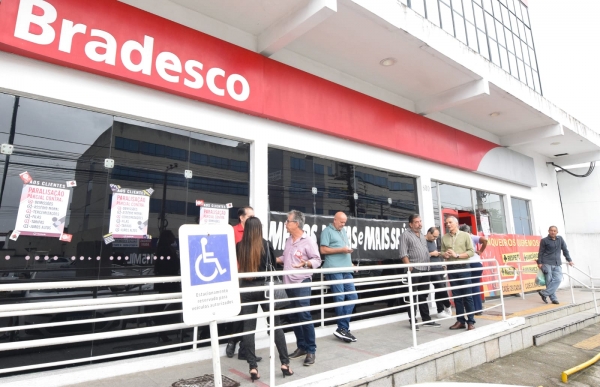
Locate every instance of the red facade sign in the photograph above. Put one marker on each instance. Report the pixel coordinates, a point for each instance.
(119, 41)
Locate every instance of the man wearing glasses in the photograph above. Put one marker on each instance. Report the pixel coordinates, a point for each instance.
(457, 246)
(301, 252)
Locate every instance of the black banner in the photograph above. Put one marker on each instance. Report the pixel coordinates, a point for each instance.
(373, 240)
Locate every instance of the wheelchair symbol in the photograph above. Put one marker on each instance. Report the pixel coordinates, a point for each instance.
(208, 258)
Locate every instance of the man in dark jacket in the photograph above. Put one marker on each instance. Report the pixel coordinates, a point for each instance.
(549, 262)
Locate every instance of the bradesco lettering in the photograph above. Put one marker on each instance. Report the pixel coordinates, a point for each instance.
(104, 50)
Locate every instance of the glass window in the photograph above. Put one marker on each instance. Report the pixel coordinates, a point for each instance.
(472, 36)
(487, 5)
(457, 202)
(489, 20)
(459, 25)
(418, 6)
(432, 11)
(500, 33)
(509, 40)
(521, 217)
(490, 206)
(457, 6)
(505, 17)
(513, 65)
(483, 46)
(7, 104)
(504, 59)
(446, 17)
(479, 23)
(536, 81)
(468, 7)
(497, 13)
(494, 52)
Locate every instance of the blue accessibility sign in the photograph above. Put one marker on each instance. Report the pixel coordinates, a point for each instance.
(209, 259)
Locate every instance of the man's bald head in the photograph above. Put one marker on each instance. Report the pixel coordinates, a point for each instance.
(339, 220)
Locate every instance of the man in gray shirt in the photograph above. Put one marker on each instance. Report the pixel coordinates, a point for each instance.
(436, 276)
(413, 249)
(549, 262)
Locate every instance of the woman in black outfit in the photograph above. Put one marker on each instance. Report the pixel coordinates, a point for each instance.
(253, 253)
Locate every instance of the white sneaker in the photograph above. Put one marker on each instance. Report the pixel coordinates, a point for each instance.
(448, 311)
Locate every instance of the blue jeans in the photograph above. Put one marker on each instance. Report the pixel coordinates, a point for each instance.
(477, 305)
(305, 334)
(343, 322)
(463, 300)
(553, 279)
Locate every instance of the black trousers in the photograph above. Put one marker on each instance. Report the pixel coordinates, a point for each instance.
(440, 290)
(250, 325)
(420, 283)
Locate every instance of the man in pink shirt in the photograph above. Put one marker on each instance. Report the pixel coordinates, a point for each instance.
(301, 252)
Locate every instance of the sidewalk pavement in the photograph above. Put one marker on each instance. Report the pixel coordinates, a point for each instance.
(373, 341)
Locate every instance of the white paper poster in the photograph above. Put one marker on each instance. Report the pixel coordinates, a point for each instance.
(212, 213)
(43, 208)
(129, 213)
(485, 224)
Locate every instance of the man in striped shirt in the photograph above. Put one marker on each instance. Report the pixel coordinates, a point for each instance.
(413, 250)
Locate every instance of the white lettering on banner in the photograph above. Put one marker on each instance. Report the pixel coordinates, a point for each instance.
(167, 64)
(373, 238)
(68, 32)
(210, 80)
(109, 46)
(26, 17)
(145, 65)
(190, 68)
(168, 61)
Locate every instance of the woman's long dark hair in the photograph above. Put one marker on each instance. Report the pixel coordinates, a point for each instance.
(250, 248)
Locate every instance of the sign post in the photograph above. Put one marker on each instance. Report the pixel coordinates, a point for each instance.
(209, 280)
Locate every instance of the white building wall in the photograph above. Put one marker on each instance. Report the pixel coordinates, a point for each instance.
(581, 204)
(53, 83)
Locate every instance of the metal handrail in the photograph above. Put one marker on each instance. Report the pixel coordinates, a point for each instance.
(128, 301)
(593, 288)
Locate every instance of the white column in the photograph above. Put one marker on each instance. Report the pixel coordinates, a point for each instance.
(425, 201)
(510, 221)
(259, 180)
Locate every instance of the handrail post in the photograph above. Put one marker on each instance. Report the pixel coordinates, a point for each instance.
(322, 302)
(593, 289)
(195, 344)
(501, 291)
(521, 280)
(271, 332)
(411, 312)
(571, 283)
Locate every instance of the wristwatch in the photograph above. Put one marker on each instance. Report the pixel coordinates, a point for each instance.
(305, 264)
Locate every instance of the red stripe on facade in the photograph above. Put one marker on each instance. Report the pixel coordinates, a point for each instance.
(277, 91)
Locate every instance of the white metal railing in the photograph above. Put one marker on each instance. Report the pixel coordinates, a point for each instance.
(392, 282)
(589, 276)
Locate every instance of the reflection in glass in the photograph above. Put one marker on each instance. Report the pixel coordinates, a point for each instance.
(521, 216)
(457, 202)
(491, 206)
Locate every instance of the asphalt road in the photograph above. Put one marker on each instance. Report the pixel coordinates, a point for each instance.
(542, 366)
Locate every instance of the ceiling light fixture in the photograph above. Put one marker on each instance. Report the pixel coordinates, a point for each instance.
(494, 114)
(388, 62)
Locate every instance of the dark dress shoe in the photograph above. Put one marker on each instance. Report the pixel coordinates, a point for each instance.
(230, 349)
(543, 297)
(470, 327)
(310, 359)
(297, 353)
(555, 302)
(458, 325)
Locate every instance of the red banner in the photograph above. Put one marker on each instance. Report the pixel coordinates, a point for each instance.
(520, 252)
